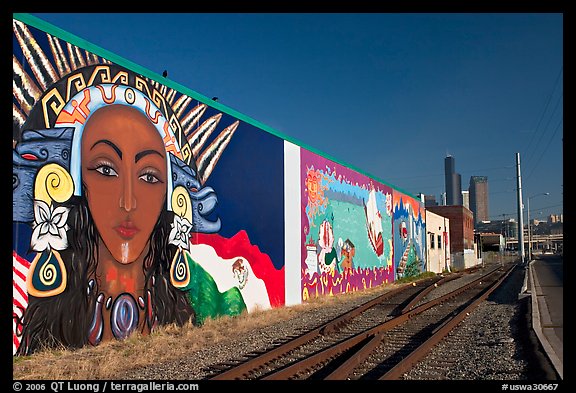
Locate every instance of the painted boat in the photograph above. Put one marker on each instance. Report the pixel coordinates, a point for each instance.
(374, 223)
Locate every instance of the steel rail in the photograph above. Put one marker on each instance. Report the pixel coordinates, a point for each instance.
(245, 368)
(369, 336)
(421, 351)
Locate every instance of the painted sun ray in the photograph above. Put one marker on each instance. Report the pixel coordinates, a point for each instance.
(24, 89)
(198, 137)
(192, 118)
(158, 86)
(170, 96)
(76, 58)
(208, 159)
(59, 55)
(91, 58)
(181, 104)
(39, 64)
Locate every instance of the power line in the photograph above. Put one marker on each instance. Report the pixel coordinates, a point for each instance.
(546, 148)
(545, 107)
(442, 174)
(489, 169)
(415, 177)
(547, 207)
(515, 213)
(501, 192)
(497, 180)
(545, 129)
(532, 209)
(558, 101)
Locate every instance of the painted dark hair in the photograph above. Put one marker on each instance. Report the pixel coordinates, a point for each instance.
(64, 320)
(169, 304)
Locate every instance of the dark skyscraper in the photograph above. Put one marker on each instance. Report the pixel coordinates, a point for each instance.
(453, 182)
(478, 190)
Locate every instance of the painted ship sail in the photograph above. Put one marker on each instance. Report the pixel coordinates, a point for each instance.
(374, 223)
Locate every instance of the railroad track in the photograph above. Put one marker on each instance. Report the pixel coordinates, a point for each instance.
(382, 338)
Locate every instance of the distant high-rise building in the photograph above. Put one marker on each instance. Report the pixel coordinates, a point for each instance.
(466, 198)
(554, 218)
(453, 182)
(430, 200)
(478, 190)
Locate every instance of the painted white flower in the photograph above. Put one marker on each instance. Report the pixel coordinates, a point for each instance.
(180, 232)
(49, 227)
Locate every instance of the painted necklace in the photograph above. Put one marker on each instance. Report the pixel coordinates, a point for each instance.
(124, 315)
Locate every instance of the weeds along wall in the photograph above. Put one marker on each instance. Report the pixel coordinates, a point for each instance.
(139, 203)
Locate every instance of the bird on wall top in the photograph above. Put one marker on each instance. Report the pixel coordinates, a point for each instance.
(165, 74)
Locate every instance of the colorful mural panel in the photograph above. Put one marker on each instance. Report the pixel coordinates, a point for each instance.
(134, 205)
(409, 236)
(347, 223)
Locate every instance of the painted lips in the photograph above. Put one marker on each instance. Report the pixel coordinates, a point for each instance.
(127, 229)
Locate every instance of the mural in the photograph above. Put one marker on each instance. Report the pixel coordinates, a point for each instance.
(134, 205)
(409, 236)
(347, 224)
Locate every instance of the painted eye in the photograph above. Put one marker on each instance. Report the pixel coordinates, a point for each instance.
(149, 178)
(106, 170)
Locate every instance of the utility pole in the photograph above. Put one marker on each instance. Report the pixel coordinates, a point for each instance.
(520, 208)
(529, 230)
(504, 231)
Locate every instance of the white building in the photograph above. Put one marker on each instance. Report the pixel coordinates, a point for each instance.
(437, 243)
(466, 198)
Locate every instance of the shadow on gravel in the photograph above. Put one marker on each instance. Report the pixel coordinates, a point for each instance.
(528, 347)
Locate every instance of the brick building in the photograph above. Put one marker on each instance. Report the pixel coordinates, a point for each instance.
(462, 246)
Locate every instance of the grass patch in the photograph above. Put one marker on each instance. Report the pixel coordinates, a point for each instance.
(420, 276)
(110, 359)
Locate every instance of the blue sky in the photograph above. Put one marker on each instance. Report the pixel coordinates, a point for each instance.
(389, 93)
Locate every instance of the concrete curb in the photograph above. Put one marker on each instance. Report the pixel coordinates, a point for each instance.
(542, 324)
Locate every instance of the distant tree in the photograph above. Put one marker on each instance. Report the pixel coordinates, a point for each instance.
(413, 264)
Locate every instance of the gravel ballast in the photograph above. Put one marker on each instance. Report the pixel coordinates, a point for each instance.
(495, 342)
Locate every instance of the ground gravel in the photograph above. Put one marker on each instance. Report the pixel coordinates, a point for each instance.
(495, 342)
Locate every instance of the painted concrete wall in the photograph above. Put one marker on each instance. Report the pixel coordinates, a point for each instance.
(134, 205)
(409, 235)
(138, 204)
(346, 229)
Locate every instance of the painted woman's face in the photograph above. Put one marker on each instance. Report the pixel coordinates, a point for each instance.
(124, 172)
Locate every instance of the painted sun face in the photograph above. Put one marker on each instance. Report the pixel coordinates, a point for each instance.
(313, 185)
(124, 172)
(315, 191)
